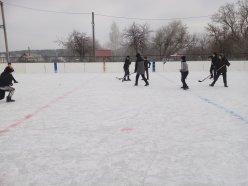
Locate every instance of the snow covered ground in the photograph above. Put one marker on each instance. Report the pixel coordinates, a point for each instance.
(93, 130)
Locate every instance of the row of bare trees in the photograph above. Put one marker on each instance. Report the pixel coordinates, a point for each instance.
(166, 41)
(227, 33)
(229, 28)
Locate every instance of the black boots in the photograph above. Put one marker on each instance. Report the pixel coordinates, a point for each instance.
(211, 85)
(126, 78)
(136, 84)
(8, 99)
(185, 88)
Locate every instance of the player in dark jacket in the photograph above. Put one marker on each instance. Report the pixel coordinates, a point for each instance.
(221, 69)
(9, 65)
(126, 69)
(214, 60)
(6, 79)
(140, 69)
(147, 65)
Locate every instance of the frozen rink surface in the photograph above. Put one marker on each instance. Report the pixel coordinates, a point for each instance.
(94, 130)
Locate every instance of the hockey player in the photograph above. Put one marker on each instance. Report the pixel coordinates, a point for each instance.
(140, 69)
(184, 72)
(9, 65)
(6, 79)
(221, 69)
(214, 60)
(126, 65)
(147, 65)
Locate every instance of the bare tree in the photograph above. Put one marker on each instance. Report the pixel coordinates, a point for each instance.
(243, 23)
(115, 37)
(172, 38)
(216, 36)
(137, 37)
(158, 42)
(78, 44)
(200, 49)
(230, 26)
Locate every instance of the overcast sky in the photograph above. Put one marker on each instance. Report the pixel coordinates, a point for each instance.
(39, 29)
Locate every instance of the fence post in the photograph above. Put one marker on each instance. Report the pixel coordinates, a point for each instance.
(104, 66)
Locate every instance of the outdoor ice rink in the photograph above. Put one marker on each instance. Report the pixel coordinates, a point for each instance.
(90, 129)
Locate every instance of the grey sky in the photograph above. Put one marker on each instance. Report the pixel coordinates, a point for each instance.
(39, 30)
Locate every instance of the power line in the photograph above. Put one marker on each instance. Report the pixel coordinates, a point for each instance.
(109, 16)
(152, 19)
(42, 10)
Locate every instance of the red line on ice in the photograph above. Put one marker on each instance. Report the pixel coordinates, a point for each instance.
(31, 115)
(126, 130)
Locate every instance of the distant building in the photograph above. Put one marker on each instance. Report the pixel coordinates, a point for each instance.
(3, 58)
(57, 59)
(31, 58)
(103, 53)
(174, 57)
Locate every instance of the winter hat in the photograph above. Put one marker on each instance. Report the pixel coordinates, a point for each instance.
(138, 55)
(183, 58)
(8, 69)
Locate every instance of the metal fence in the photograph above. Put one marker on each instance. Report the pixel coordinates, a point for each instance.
(75, 59)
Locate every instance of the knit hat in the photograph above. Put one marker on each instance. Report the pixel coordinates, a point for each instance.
(8, 69)
(183, 58)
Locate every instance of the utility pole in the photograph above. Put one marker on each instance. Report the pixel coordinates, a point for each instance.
(93, 36)
(5, 32)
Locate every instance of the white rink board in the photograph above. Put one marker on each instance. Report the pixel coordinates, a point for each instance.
(116, 67)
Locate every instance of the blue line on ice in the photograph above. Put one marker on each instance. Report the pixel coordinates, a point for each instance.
(228, 111)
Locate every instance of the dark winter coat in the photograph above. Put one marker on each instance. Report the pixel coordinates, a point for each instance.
(221, 64)
(127, 63)
(147, 64)
(139, 65)
(6, 78)
(215, 60)
(2, 94)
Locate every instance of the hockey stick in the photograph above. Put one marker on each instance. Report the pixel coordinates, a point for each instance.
(124, 76)
(210, 74)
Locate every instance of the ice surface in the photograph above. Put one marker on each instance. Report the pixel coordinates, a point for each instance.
(94, 130)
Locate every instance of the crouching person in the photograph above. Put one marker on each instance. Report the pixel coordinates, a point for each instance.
(6, 79)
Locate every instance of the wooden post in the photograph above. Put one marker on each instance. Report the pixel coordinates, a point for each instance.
(5, 33)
